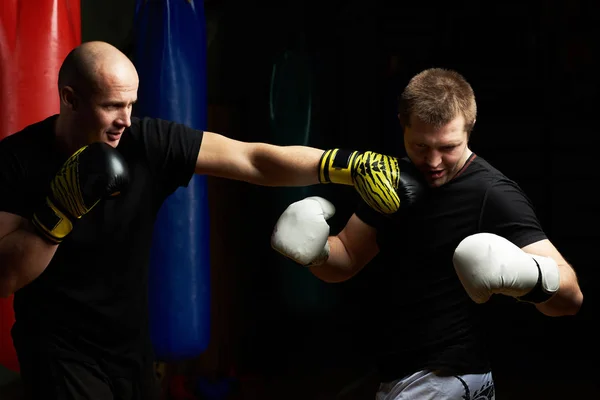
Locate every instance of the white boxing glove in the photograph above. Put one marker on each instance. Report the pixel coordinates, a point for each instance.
(301, 232)
(486, 264)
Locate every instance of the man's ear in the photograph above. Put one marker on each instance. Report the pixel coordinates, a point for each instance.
(470, 128)
(68, 97)
(400, 120)
(470, 131)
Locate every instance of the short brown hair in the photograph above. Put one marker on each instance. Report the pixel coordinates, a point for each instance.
(437, 96)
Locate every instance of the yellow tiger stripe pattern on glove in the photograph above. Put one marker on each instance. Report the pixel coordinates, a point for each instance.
(377, 179)
(375, 176)
(92, 173)
(66, 188)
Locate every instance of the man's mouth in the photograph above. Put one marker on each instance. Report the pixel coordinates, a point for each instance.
(113, 136)
(436, 174)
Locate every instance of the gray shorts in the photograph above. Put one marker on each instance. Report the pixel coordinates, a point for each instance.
(426, 385)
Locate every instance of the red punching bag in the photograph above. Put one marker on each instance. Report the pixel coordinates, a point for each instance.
(35, 37)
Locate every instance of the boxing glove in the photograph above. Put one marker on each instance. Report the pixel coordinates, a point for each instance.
(301, 232)
(92, 173)
(384, 182)
(487, 264)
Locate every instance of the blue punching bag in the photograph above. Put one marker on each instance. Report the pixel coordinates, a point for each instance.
(170, 55)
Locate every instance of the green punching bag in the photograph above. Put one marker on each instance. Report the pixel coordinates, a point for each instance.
(290, 108)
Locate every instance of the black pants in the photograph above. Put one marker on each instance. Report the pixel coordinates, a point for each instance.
(49, 372)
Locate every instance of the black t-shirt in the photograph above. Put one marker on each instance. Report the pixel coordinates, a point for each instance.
(427, 320)
(93, 294)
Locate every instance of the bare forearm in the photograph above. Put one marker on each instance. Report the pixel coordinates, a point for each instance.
(23, 257)
(339, 265)
(286, 165)
(568, 299)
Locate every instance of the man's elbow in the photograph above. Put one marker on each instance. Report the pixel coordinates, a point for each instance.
(8, 286)
(566, 306)
(575, 304)
(6, 291)
(572, 300)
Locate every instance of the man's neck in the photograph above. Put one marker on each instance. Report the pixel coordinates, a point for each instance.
(65, 140)
(463, 162)
(466, 157)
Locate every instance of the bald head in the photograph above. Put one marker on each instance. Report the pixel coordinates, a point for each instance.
(89, 66)
(97, 86)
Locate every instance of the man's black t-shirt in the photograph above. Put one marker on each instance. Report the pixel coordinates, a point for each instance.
(427, 320)
(93, 294)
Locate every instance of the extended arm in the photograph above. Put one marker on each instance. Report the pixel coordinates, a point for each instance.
(382, 181)
(258, 163)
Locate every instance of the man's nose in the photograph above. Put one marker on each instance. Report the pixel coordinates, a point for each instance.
(433, 159)
(125, 118)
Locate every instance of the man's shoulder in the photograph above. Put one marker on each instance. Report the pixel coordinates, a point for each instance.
(143, 127)
(158, 131)
(37, 133)
(145, 123)
(481, 164)
(495, 184)
(484, 172)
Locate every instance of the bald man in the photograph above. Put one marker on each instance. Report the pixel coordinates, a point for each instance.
(79, 193)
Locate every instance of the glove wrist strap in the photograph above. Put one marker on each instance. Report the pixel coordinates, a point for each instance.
(336, 166)
(52, 223)
(538, 294)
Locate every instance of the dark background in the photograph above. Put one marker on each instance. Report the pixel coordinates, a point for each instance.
(533, 67)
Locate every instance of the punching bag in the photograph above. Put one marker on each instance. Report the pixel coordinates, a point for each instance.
(170, 55)
(35, 37)
(291, 116)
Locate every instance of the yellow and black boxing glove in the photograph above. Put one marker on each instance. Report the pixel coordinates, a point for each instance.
(384, 182)
(92, 173)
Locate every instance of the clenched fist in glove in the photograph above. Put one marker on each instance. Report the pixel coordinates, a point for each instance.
(385, 183)
(93, 173)
(302, 231)
(487, 264)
